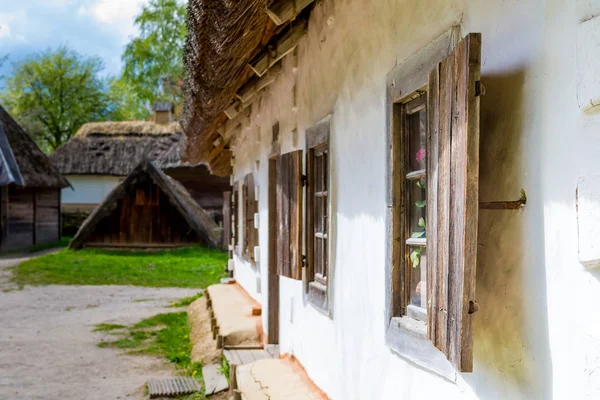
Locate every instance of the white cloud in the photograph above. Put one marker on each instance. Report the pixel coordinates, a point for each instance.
(6, 20)
(4, 30)
(116, 13)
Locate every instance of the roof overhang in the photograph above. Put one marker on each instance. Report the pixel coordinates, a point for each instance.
(231, 54)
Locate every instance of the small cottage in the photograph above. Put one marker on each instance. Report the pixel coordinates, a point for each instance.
(102, 154)
(148, 210)
(30, 190)
(416, 187)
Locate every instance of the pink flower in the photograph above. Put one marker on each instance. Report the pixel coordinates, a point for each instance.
(420, 155)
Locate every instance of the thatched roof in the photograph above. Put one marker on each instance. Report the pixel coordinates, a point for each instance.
(21, 160)
(116, 148)
(198, 219)
(223, 37)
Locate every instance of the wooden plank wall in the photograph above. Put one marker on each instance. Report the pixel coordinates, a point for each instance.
(29, 216)
(144, 217)
(206, 189)
(47, 226)
(20, 232)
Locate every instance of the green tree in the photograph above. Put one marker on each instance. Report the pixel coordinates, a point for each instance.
(125, 104)
(53, 93)
(2, 61)
(153, 60)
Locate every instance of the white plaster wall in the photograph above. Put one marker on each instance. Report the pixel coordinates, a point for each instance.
(88, 189)
(537, 334)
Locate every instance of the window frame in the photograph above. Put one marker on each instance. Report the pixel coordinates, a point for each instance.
(420, 99)
(406, 335)
(318, 289)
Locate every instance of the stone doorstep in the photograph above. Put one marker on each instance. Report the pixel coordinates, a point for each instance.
(235, 316)
(273, 379)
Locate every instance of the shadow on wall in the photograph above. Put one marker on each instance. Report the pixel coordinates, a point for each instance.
(511, 330)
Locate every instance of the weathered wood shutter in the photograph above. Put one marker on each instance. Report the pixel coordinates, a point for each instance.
(452, 200)
(235, 224)
(289, 214)
(227, 220)
(250, 208)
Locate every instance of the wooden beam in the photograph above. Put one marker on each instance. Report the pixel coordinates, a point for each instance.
(227, 129)
(233, 110)
(282, 11)
(278, 49)
(255, 85)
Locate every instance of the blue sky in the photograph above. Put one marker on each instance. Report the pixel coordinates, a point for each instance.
(92, 27)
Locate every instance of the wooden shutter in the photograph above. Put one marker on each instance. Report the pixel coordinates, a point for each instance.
(235, 227)
(289, 214)
(452, 200)
(250, 208)
(227, 219)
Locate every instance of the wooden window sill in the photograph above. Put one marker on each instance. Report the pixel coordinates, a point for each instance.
(407, 337)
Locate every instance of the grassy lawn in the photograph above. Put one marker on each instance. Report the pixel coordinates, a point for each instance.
(164, 335)
(195, 267)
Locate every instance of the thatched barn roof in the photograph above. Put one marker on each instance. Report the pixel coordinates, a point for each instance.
(224, 39)
(116, 148)
(198, 219)
(21, 160)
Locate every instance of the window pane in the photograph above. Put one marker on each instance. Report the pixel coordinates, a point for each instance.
(418, 278)
(417, 208)
(324, 273)
(325, 170)
(417, 130)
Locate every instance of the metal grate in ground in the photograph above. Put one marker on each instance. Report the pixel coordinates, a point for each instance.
(172, 387)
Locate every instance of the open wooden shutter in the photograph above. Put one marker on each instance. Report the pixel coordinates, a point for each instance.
(227, 220)
(235, 217)
(289, 214)
(452, 200)
(250, 208)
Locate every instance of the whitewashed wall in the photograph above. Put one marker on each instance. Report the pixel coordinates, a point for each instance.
(537, 334)
(88, 189)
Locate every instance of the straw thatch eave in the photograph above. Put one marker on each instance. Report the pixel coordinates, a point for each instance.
(197, 218)
(21, 160)
(224, 38)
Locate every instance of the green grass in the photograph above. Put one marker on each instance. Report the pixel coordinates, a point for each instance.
(63, 242)
(108, 327)
(186, 301)
(192, 267)
(165, 335)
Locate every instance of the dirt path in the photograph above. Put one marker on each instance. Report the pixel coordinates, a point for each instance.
(48, 349)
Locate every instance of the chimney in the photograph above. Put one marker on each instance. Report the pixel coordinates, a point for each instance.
(163, 112)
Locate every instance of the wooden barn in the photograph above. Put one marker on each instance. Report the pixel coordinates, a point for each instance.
(30, 189)
(148, 210)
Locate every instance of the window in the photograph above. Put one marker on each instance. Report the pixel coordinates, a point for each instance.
(414, 130)
(433, 201)
(317, 214)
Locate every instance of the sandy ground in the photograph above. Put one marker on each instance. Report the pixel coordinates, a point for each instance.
(47, 347)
